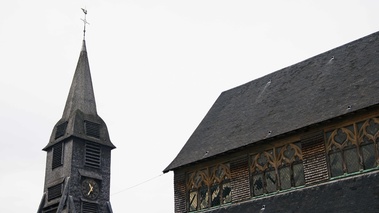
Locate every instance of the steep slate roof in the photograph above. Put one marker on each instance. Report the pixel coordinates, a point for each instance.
(81, 106)
(334, 83)
(81, 95)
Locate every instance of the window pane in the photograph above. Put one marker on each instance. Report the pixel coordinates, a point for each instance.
(372, 128)
(220, 172)
(352, 160)
(257, 184)
(289, 153)
(262, 160)
(226, 193)
(340, 137)
(285, 177)
(298, 174)
(368, 152)
(335, 161)
(193, 201)
(204, 197)
(271, 181)
(215, 195)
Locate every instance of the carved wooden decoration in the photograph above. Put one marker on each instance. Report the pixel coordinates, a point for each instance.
(208, 187)
(276, 169)
(353, 147)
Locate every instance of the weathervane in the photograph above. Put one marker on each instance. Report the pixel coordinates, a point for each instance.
(85, 22)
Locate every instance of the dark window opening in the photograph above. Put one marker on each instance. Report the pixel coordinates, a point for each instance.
(54, 191)
(88, 207)
(92, 129)
(92, 155)
(51, 209)
(57, 160)
(61, 129)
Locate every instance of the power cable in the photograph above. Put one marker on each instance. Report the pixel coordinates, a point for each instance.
(126, 189)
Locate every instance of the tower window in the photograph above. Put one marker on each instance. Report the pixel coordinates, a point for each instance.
(88, 207)
(61, 129)
(57, 155)
(92, 129)
(54, 191)
(92, 155)
(51, 209)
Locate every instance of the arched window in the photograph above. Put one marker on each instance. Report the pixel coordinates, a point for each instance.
(208, 187)
(276, 169)
(353, 147)
(342, 151)
(368, 138)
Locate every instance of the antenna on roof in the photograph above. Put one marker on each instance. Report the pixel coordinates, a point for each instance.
(85, 23)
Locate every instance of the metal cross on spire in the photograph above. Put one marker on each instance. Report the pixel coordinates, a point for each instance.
(85, 22)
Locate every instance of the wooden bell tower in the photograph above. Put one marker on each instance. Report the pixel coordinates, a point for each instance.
(78, 163)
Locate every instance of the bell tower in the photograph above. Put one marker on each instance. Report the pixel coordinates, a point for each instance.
(77, 176)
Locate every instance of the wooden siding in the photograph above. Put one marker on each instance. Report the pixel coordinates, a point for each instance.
(239, 170)
(314, 158)
(180, 192)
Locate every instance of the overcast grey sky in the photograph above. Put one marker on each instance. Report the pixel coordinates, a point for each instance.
(157, 67)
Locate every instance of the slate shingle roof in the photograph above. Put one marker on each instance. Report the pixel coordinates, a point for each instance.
(334, 83)
(81, 95)
(81, 107)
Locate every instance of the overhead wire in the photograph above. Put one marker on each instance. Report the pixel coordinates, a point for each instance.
(138, 184)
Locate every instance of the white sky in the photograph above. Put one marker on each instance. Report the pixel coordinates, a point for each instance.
(157, 67)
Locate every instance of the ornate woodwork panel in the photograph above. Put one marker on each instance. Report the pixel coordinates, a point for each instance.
(353, 147)
(275, 169)
(208, 187)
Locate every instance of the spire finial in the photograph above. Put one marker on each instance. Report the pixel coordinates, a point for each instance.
(85, 23)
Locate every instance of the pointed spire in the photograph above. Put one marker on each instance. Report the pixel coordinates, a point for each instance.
(81, 96)
(80, 110)
(80, 118)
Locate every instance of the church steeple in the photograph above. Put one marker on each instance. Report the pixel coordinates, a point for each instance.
(80, 117)
(80, 110)
(78, 161)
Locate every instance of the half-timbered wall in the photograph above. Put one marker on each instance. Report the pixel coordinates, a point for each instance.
(342, 148)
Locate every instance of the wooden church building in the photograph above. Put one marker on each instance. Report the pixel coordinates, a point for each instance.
(77, 176)
(301, 139)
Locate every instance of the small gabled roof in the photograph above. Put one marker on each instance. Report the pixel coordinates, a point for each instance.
(80, 108)
(334, 83)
